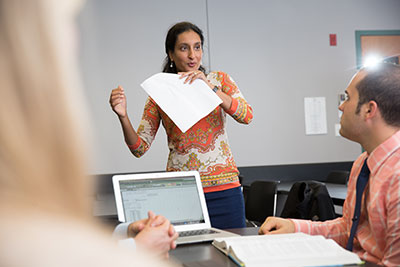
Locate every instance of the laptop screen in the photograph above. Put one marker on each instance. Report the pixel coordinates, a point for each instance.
(176, 198)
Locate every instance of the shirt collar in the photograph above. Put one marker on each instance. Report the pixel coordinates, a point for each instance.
(383, 151)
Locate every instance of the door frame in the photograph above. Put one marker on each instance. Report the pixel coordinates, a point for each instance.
(359, 34)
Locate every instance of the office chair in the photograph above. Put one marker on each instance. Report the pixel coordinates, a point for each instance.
(338, 177)
(260, 202)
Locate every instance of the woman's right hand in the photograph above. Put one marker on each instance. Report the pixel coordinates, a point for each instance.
(118, 101)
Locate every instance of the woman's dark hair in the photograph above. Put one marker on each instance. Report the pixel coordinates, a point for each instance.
(170, 42)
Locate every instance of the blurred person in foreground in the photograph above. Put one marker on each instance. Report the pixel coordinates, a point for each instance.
(45, 213)
(371, 117)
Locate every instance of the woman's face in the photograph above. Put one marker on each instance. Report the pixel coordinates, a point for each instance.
(188, 52)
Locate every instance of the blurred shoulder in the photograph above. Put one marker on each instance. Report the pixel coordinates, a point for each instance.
(46, 241)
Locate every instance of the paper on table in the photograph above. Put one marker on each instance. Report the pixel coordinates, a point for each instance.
(185, 104)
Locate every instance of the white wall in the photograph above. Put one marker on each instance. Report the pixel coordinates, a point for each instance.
(277, 51)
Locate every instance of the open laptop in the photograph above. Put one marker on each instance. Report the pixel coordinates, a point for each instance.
(176, 195)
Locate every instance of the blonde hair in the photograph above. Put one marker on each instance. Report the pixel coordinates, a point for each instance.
(42, 159)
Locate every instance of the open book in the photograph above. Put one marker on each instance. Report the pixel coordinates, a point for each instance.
(296, 249)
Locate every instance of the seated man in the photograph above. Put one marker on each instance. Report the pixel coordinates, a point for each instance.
(371, 117)
(155, 233)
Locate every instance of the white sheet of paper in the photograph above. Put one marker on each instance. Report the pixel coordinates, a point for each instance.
(315, 115)
(185, 104)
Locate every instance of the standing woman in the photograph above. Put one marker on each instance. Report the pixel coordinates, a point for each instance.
(204, 147)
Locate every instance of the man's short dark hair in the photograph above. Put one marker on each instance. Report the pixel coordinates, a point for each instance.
(382, 85)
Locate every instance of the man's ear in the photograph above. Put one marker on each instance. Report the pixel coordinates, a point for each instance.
(371, 109)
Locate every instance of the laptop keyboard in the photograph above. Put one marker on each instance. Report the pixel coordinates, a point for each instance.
(197, 232)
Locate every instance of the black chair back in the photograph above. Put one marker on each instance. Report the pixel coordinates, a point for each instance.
(260, 201)
(338, 177)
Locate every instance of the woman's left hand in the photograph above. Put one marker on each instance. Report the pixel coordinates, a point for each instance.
(193, 75)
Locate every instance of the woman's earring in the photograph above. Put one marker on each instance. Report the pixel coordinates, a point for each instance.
(172, 64)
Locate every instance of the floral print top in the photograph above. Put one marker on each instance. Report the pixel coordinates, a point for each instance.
(204, 147)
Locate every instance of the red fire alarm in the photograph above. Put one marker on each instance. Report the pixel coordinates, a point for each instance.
(332, 39)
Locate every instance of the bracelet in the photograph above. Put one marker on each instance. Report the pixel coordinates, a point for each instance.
(215, 89)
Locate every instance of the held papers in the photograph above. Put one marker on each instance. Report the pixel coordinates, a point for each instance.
(296, 249)
(185, 104)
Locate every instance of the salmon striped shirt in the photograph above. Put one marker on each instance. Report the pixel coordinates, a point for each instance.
(377, 238)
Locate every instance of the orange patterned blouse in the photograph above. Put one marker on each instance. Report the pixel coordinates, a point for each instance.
(204, 147)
